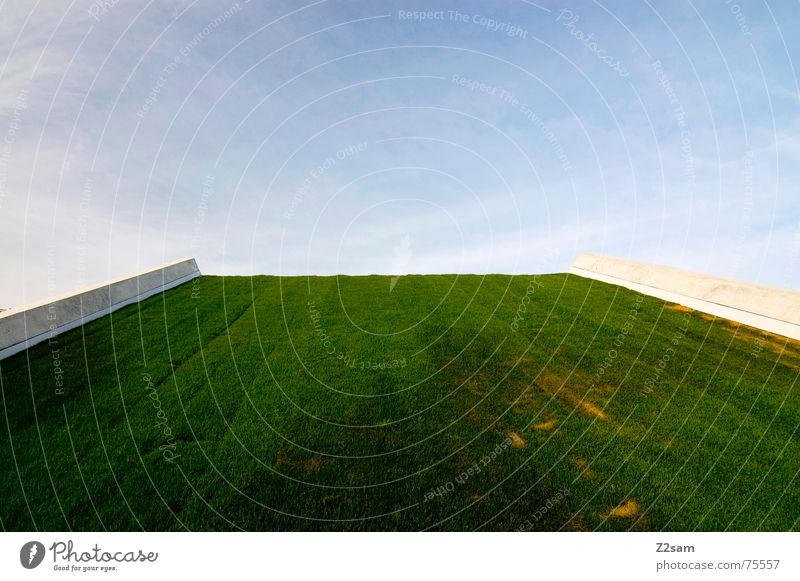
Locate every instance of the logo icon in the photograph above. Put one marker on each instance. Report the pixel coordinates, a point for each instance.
(31, 554)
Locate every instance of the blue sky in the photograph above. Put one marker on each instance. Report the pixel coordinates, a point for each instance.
(358, 137)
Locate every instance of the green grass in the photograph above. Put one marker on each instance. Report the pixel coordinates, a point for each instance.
(546, 424)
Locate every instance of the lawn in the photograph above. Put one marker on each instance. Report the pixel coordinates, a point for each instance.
(425, 402)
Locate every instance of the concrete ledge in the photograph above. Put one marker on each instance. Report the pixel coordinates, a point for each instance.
(23, 328)
(768, 308)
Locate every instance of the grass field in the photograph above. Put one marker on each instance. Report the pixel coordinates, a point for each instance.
(449, 403)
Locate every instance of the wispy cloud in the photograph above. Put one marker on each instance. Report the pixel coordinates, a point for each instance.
(116, 116)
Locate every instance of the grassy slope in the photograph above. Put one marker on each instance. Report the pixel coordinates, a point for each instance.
(274, 432)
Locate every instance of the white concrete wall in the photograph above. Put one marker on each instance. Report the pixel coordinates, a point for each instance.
(22, 328)
(772, 309)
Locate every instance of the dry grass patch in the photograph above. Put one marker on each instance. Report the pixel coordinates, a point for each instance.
(305, 465)
(585, 468)
(516, 440)
(593, 410)
(629, 509)
(778, 344)
(577, 524)
(556, 387)
(546, 425)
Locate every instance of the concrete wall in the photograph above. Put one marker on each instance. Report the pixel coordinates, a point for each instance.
(772, 309)
(22, 328)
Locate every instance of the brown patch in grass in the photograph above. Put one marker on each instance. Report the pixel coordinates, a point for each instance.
(778, 344)
(556, 387)
(607, 389)
(629, 509)
(583, 465)
(577, 524)
(529, 400)
(312, 464)
(516, 440)
(680, 308)
(592, 409)
(520, 362)
(305, 465)
(795, 367)
(474, 417)
(546, 426)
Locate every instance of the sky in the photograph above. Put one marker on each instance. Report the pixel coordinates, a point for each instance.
(356, 137)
